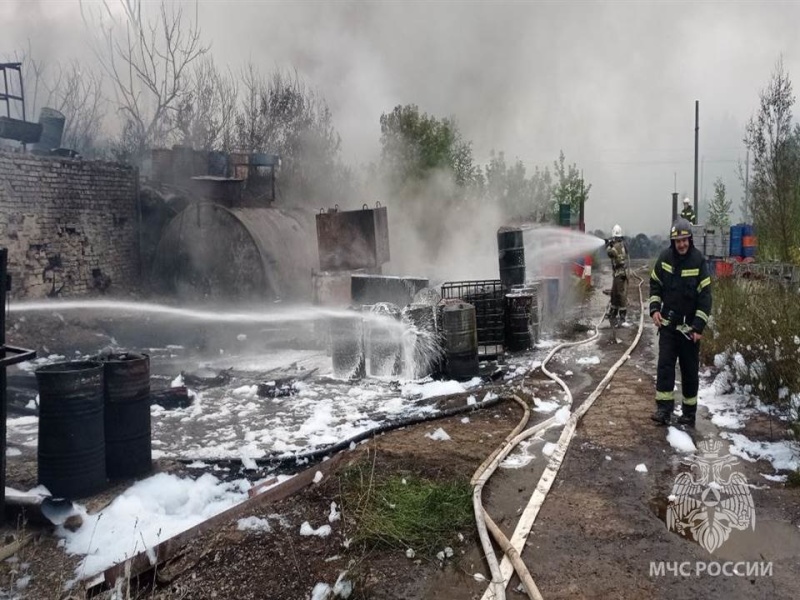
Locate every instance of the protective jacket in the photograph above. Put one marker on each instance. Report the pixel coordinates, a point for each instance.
(688, 214)
(618, 254)
(680, 289)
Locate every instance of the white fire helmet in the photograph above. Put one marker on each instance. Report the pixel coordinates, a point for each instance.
(616, 231)
(687, 200)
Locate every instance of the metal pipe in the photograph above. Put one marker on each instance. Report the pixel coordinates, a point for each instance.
(696, 147)
(674, 207)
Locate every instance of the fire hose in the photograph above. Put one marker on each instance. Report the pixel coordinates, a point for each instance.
(501, 573)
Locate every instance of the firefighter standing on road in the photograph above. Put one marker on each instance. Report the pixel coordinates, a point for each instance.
(680, 304)
(688, 212)
(618, 253)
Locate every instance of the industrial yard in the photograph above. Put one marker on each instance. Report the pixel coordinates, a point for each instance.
(375, 301)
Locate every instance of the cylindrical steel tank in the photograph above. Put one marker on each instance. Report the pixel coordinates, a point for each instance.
(212, 252)
(127, 415)
(460, 339)
(347, 346)
(522, 310)
(511, 253)
(71, 454)
(52, 122)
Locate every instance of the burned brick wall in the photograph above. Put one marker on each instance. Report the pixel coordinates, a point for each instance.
(70, 226)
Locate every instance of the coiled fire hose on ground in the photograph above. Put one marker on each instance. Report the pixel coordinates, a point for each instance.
(501, 573)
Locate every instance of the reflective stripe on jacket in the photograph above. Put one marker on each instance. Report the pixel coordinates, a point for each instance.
(681, 285)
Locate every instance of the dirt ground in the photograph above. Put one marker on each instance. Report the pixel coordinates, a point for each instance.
(597, 535)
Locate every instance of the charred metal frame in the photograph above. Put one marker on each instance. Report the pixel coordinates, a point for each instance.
(6, 96)
(488, 298)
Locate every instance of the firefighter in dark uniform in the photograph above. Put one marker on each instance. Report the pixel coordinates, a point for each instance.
(618, 253)
(688, 212)
(680, 304)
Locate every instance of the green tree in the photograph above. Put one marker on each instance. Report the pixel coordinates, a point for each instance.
(414, 146)
(521, 198)
(570, 187)
(775, 177)
(719, 211)
(281, 114)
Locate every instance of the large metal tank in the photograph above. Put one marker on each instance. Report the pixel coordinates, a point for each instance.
(209, 252)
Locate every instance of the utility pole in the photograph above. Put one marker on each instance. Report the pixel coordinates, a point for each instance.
(702, 188)
(696, 146)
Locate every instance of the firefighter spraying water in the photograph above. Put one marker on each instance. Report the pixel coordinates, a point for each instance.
(618, 253)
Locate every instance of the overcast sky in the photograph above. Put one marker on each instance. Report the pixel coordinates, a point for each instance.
(612, 84)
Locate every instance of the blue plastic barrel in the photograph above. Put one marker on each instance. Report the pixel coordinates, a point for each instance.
(736, 240)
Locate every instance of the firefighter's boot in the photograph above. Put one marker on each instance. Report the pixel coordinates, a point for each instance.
(663, 414)
(688, 416)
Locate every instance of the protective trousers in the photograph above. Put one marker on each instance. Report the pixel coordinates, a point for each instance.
(674, 346)
(619, 297)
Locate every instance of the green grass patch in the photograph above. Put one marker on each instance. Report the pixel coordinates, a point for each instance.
(404, 510)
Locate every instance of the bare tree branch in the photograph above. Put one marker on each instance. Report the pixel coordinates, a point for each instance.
(148, 63)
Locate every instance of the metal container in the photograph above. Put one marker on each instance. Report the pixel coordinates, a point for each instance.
(522, 310)
(488, 298)
(52, 122)
(347, 346)
(737, 232)
(511, 253)
(127, 415)
(460, 339)
(217, 164)
(212, 252)
(353, 239)
(19, 130)
(71, 454)
(372, 289)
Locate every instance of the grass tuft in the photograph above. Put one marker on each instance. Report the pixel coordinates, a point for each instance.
(405, 511)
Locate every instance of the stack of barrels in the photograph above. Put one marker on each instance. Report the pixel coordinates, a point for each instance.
(743, 241)
(522, 314)
(94, 423)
